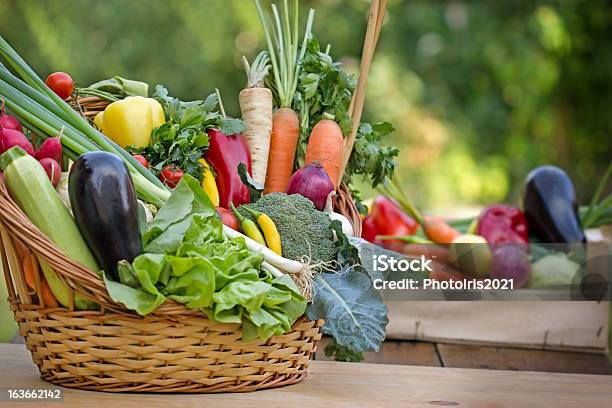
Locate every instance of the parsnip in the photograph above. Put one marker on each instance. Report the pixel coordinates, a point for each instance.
(256, 108)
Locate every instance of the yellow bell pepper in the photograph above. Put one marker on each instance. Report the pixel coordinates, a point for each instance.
(130, 121)
(208, 183)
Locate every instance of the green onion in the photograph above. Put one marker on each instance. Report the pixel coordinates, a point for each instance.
(68, 114)
(282, 40)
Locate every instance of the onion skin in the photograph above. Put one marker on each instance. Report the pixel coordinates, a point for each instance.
(313, 182)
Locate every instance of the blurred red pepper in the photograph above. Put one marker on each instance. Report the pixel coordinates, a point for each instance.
(502, 224)
(389, 219)
(368, 230)
(224, 155)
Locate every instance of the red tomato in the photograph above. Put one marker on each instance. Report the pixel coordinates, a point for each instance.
(141, 159)
(228, 218)
(171, 175)
(61, 83)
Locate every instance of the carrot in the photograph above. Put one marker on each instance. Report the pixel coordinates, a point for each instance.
(285, 132)
(30, 271)
(26, 264)
(326, 146)
(439, 231)
(47, 295)
(256, 108)
(430, 251)
(443, 272)
(281, 32)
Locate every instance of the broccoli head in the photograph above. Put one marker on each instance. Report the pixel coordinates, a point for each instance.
(304, 230)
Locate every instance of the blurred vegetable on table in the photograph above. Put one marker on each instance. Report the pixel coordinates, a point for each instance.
(551, 206)
(471, 254)
(502, 224)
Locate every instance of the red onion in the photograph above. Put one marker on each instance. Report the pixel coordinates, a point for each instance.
(313, 182)
(7, 121)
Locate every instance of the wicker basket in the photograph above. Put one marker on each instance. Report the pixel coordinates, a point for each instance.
(88, 106)
(173, 350)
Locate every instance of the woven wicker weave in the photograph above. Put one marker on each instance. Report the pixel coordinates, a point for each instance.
(110, 352)
(173, 350)
(88, 106)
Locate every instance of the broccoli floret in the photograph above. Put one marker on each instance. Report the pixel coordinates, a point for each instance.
(304, 230)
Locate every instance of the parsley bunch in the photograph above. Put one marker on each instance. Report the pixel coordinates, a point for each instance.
(182, 140)
(324, 92)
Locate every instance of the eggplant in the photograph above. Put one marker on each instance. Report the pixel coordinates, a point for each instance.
(551, 207)
(105, 208)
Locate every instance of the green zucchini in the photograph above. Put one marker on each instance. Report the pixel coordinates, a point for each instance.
(30, 187)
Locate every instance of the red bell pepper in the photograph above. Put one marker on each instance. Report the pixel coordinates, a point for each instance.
(225, 153)
(389, 219)
(502, 224)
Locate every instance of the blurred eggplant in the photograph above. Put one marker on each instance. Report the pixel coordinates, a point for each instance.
(551, 207)
(105, 208)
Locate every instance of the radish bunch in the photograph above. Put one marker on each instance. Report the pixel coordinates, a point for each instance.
(49, 154)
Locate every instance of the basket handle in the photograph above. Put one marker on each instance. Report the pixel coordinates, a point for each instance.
(375, 22)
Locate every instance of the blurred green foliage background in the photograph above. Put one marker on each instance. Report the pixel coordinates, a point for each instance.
(480, 92)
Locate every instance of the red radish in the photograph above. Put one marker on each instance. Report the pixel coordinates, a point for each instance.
(228, 218)
(61, 83)
(12, 137)
(141, 159)
(7, 121)
(171, 175)
(51, 148)
(53, 169)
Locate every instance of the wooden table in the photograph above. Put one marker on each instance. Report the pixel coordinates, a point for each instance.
(333, 384)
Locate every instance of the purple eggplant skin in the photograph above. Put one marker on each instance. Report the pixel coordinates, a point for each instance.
(105, 208)
(551, 207)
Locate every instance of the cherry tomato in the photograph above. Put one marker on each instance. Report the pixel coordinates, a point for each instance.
(171, 175)
(61, 83)
(228, 218)
(141, 159)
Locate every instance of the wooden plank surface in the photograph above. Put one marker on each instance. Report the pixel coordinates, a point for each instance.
(500, 358)
(354, 385)
(577, 326)
(395, 352)
(487, 357)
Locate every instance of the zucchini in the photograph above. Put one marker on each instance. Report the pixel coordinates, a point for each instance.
(30, 187)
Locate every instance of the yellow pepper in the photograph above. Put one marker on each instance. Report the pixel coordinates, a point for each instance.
(130, 121)
(249, 228)
(208, 183)
(272, 237)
